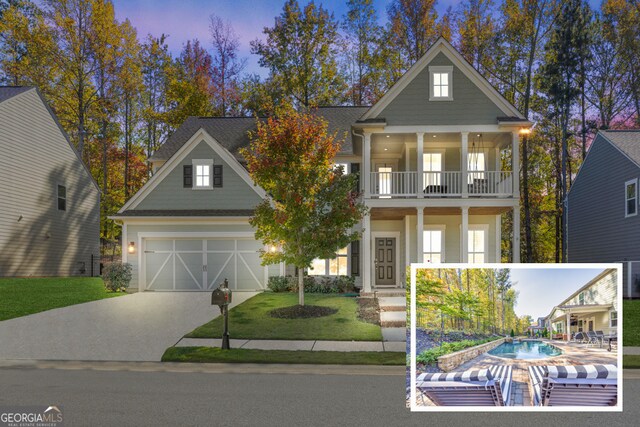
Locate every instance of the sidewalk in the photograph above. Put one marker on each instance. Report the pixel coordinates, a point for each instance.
(631, 350)
(312, 345)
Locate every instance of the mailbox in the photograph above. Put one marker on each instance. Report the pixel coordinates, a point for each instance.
(222, 295)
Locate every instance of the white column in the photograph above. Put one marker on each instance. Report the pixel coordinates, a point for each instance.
(366, 253)
(568, 331)
(516, 234)
(498, 161)
(420, 164)
(366, 165)
(515, 164)
(464, 234)
(420, 236)
(407, 242)
(125, 243)
(464, 163)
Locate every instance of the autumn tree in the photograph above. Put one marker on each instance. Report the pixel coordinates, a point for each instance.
(311, 205)
(477, 31)
(226, 67)
(301, 54)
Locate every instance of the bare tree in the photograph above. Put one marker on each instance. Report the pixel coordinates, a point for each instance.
(227, 66)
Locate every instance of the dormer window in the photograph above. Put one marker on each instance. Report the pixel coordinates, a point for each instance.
(440, 83)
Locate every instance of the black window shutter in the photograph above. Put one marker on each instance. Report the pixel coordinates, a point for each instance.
(355, 258)
(187, 176)
(217, 175)
(355, 168)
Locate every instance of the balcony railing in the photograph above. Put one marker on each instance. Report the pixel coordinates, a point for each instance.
(442, 184)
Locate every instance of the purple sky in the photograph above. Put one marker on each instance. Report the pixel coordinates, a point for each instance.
(187, 19)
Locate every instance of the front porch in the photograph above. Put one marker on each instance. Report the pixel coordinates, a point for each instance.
(393, 238)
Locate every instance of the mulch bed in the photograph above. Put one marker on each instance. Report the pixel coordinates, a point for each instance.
(369, 310)
(302, 312)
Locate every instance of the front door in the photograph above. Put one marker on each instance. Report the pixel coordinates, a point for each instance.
(385, 261)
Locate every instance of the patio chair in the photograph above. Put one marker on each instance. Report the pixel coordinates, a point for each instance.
(593, 339)
(480, 387)
(574, 385)
(579, 337)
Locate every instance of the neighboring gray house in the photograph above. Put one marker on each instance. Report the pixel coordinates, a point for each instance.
(49, 203)
(429, 154)
(603, 220)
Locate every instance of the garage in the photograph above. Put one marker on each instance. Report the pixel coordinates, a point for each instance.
(195, 264)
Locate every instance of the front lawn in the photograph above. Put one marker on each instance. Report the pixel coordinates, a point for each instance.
(251, 320)
(19, 297)
(631, 323)
(245, 355)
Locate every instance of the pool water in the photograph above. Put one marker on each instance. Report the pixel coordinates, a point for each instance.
(526, 350)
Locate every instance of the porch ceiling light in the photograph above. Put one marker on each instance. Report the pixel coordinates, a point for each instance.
(131, 248)
(387, 136)
(525, 131)
(386, 149)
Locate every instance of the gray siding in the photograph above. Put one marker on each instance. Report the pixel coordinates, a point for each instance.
(598, 230)
(470, 106)
(170, 193)
(36, 239)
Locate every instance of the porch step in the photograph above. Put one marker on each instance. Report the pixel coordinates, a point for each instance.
(391, 292)
(392, 303)
(393, 319)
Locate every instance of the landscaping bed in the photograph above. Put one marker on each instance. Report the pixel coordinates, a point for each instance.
(252, 320)
(240, 355)
(20, 297)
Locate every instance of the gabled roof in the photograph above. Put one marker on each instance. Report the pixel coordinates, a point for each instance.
(443, 46)
(186, 213)
(7, 92)
(627, 141)
(232, 132)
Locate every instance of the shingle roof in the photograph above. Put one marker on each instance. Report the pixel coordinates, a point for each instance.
(627, 141)
(187, 212)
(231, 132)
(7, 92)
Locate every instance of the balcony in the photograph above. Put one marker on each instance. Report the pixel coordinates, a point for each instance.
(442, 184)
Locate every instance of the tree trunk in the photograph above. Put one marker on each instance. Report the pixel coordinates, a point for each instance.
(300, 286)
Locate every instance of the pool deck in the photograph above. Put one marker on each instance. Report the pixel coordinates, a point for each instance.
(572, 354)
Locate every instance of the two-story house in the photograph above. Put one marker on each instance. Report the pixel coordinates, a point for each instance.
(602, 206)
(593, 307)
(438, 160)
(49, 203)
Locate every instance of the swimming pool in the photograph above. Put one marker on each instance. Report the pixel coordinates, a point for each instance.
(526, 350)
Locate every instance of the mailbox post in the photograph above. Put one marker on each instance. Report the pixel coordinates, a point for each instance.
(222, 298)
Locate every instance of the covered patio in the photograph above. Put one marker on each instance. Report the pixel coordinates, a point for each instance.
(567, 320)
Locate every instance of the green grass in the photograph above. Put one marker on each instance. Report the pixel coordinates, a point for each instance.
(244, 355)
(250, 320)
(631, 322)
(19, 297)
(631, 361)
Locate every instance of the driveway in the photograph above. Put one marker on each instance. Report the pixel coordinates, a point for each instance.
(137, 327)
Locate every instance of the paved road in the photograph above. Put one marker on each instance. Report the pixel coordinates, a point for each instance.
(133, 327)
(128, 394)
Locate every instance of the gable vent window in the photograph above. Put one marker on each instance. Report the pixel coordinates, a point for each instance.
(62, 198)
(631, 197)
(202, 175)
(440, 83)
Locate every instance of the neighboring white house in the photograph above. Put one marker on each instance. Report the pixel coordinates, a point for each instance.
(49, 203)
(593, 307)
(438, 159)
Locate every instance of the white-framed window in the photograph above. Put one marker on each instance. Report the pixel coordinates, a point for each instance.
(613, 319)
(433, 162)
(62, 197)
(581, 298)
(478, 243)
(344, 166)
(440, 83)
(476, 166)
(331, 267)
(631, 198)
(202, 170)
(433, 243)
(385, 183)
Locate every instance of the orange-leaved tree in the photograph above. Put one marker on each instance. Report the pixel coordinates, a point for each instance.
(312, 205)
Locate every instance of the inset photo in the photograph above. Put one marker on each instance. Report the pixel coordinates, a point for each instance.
(515, 337)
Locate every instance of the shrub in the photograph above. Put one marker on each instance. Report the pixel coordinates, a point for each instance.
(429, 357)
(116, 276)
(512, 333)
(281, 283)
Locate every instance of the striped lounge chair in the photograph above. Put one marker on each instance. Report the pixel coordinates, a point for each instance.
(574, 385)
(480, 387)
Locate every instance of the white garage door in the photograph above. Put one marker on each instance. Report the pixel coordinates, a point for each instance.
(202, 264)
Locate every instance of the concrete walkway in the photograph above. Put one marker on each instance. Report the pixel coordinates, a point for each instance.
(310, 345)
(137, 327)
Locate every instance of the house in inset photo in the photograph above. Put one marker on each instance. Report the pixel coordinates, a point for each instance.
(476, 343)
(49, 203)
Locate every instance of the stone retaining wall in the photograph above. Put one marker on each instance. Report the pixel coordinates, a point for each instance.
(449, 362)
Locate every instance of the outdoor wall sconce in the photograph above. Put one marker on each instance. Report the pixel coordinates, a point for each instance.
(525, 131)
(132, 248)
